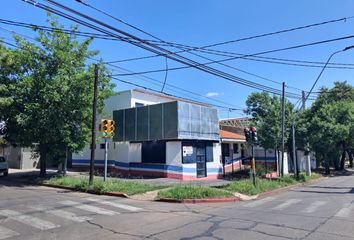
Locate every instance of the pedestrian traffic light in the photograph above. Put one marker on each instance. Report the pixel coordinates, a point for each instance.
(104, 128)
(254, 135)
(111, 128)
(247, 134)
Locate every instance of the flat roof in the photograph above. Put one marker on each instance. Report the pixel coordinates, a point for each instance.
(167, 96)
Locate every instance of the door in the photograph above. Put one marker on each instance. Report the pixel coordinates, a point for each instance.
(201, 162)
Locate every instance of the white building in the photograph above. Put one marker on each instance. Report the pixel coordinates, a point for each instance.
(182, 143)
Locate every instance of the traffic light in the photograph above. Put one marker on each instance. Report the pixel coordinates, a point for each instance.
(247, 134)
(111, 128)
(254, 135)
(104, 127)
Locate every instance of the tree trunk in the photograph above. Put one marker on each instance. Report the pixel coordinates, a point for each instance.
(43, 160)
(350, 153)
(327, 159)
(342, 161)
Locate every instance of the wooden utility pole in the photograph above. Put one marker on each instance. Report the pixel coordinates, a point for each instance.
(93, 129)
(303, 100)
(282, 129)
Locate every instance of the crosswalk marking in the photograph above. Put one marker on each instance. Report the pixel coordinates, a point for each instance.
(63, 214)
(314, 206)
(29, 220)
(259, 202)
(345, 211)
(7, 233)
(286, 204)
(88, 208)
(114, 204)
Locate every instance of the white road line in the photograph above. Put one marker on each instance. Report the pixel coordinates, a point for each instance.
(287, 204)
(88, 208)
(259, 202)
(63, 214)
(345, 211)
(7, 233)
(314, 206)
(29, 220)
(114, 204)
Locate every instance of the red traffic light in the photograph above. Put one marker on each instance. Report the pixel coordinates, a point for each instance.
(253, 129)
(247, 130)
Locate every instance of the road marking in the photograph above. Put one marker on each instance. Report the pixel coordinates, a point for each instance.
(63, 214)
(287, 204)
(88, 208)
(259, 202)
(114, 204)
(29, 220)
(7, 233)
(345, 211)
(314, 206)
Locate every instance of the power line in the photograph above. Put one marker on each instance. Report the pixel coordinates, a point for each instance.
(126, 70)
(141, 86)
(237, 69)
(152, 47)
(188, 91)
(207, 51)
(265, 52)
(225, 42)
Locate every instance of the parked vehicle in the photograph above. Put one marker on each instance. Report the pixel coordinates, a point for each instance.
(4, 167)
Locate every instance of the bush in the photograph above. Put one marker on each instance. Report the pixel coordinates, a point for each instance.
(190, 192)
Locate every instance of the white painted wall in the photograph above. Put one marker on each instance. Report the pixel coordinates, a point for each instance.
(134, 152)
(217, 153)
(147, 99)
(174, 153)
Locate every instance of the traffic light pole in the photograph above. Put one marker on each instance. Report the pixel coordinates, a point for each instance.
(105, 159)
(93, 129)
(253, 166)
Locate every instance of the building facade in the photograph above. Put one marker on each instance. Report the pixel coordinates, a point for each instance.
(160, 136)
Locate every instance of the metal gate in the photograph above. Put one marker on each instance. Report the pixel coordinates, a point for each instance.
(201, 162)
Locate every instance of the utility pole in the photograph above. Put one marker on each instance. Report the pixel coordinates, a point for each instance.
(93, 129)
(303, 100)
(282, 129)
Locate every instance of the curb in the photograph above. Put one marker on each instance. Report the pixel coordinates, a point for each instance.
(114, 194)
(197, 200)
(275, 191)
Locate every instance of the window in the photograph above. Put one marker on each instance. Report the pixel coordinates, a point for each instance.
(190, 148)
(154, 152)
(102, 146)
(2, 159)
(225, 149)
(242, 150)
(137, 104)
(236, 150)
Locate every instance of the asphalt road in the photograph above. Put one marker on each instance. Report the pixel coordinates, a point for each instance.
(323, 210)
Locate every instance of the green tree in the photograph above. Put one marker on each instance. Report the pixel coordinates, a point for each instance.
(266, 113)
(329, 124)
(52, 92)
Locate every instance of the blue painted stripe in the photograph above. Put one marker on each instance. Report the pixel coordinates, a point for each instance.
(144, 166)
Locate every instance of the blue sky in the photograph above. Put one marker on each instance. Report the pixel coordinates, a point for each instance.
(199, 23)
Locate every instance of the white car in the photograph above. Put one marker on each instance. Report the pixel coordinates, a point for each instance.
(4, 167)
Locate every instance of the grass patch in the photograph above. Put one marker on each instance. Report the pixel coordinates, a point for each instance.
(99, 186)
(264, 185)
(190, 192)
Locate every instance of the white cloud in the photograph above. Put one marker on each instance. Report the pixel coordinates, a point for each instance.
(212, 94)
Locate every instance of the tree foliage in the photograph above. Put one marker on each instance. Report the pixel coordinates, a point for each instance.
(50, 92)
(266, 113)
(329, 124)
